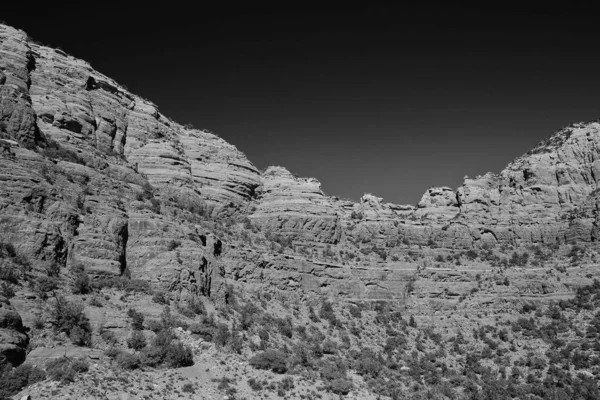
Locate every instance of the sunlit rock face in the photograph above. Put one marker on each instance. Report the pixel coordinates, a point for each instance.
(297, 208)
(138, 181)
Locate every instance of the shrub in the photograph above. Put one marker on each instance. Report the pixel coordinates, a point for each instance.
(67, 316)
(160, 298)
(65, 369)
(81, 282)
(136, 341)
(222, 335)
(137, 319)
(178, 355)
(173, 244)
(202, 330)
(196, 306)
(7, 290)
(108, 337)
(188, 388)
(127, 360)
(340, 386)
(14, 380)
(255, 384)
(151, 356)
(8, 273)
(80, 365)
(7, 249)
(270, 359)
(45, 284)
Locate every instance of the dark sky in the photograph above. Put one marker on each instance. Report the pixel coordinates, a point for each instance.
(388, 101)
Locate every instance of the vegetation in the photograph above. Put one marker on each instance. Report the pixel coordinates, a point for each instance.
(68, 317)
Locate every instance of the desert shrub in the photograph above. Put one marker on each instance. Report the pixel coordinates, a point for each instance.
(81, 281)
(355, 311)
(7, 250)
(45, 284)
(173, 244)
(471, 254)
(137, 340)
(248, 315)
(95, 301)
(9, 273)
(285, 326)
(329, 347)
(7, 290)
(108, 337)
(270, 359)
(196, 306)
(154, 325)
(160, 298)
(69, 318)
(341, 386)
(188, 388)
(221, 335)
(38, 322)
(128, 361)
(178, 355)
(52, 269)
(80, 365)
(13, 380)
(519, 260)
(205, 332)
(356, 215)
(151, 356)
(65, 369)
(254, 384)
(155, 206)
(327, 313)
(137, 319)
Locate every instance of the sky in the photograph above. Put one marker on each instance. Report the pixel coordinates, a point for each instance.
(383, 100)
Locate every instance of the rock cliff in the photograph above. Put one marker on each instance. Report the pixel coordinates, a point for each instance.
(94, 174)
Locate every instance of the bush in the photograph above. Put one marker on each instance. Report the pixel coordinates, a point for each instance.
(81, 282)
(160, 298)
(136, 341)
(188, 388)
(173, 244)
(69, 318)
(178, 355)
(14, 380)
(65, 369)
(109, 337)
(137, 319)
(270, 359)
(7, 291)
(255, 384)
(341, 386)
(128, 361)
(45, 284)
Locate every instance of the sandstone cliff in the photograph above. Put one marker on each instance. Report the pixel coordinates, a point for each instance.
(94, 174)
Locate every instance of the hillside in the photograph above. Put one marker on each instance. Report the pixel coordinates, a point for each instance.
(132, 243)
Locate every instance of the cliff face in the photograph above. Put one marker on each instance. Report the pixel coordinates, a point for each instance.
(92, 173)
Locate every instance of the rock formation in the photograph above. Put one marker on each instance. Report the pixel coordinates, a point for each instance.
(94, 174)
